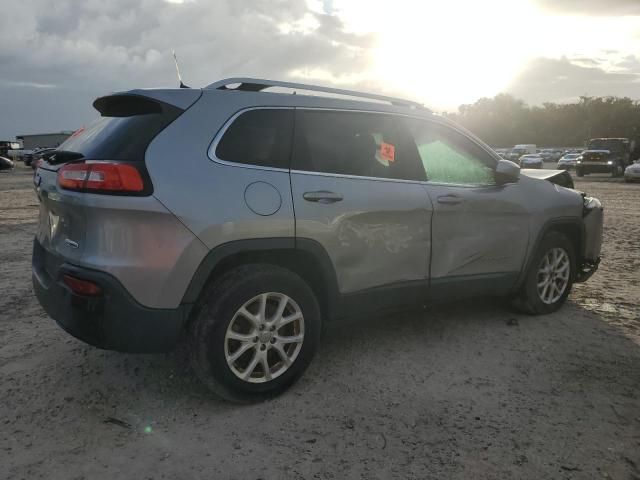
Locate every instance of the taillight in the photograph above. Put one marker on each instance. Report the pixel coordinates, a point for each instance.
(94, 176)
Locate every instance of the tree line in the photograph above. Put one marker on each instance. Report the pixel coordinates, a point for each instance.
(503, 121)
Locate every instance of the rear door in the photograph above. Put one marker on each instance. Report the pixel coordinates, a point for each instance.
(480, 227)
(356, 189)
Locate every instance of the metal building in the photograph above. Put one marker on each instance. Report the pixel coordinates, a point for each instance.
(42, 140)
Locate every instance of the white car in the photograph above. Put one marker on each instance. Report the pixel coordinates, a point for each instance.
(632, 172)
(568, 161)
(531, 161)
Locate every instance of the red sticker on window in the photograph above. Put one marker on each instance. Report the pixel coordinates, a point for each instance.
(388, 152)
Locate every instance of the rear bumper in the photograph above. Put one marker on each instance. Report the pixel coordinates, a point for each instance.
(113, 320)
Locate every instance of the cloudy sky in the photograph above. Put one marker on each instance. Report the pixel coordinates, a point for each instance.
(56, 56)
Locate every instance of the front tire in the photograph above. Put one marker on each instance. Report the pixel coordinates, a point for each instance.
(550, 276)
(579, 172)
(255, 332)
(616, 170)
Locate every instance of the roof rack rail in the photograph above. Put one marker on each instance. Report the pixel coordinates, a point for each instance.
(258, 84)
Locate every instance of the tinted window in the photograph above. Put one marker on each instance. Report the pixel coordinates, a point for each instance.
(127, 125)
(350, 143)
(259, 137)
(450, 157)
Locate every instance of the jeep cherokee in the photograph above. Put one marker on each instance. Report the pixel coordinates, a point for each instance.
(238, 219)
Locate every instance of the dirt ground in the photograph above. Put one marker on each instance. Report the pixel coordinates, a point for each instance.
(466, 391)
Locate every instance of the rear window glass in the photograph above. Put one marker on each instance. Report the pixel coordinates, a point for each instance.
(122, 137)
(350, 143)
(259, 137)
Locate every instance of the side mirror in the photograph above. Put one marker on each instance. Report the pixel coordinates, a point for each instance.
(507, 172)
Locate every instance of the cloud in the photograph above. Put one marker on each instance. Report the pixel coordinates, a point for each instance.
(85, 48)
(11, 83)
(610, 8)
(630, 63)
(548, 80)
(587, 62)
(56, 56)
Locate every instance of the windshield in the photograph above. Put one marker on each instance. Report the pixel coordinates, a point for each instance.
(611, 144)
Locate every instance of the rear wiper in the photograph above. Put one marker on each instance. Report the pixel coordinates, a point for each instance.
(61, 156)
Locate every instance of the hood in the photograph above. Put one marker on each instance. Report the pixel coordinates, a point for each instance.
(559, 177)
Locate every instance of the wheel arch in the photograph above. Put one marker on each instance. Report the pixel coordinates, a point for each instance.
(571, 227)
(305, 257)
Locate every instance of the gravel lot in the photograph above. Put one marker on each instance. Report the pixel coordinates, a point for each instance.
(461, 391)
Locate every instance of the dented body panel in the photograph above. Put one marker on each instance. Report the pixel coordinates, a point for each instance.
(485, 231)
(378, 234)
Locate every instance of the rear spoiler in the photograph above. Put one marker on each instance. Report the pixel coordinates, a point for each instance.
(142, 101)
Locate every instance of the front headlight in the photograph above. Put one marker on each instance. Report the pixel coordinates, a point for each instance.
(609, 162)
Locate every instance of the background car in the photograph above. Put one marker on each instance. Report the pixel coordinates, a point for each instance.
(547, 154)
(632, 172)
(37, 155)
(557, 155)
(31, 158)
(600, 161)
(5, 163)
(531, 161)
(568, 161)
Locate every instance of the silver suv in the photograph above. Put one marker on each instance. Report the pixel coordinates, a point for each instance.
(239, 217)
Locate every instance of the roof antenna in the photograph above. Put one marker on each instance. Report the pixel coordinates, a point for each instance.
(175, 59)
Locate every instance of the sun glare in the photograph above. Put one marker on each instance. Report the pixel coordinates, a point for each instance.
(447, 53)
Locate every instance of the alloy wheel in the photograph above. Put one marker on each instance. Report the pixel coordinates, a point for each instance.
(264, 337)
(553, 275)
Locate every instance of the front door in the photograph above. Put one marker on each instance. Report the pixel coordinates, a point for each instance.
(479, 228)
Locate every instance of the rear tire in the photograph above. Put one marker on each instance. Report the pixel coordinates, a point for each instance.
(550, 277)
(243, 344)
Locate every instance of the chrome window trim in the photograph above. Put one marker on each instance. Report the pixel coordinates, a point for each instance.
(218, 136)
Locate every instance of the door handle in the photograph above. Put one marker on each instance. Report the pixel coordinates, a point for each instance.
(449, 199)
(322, 196)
